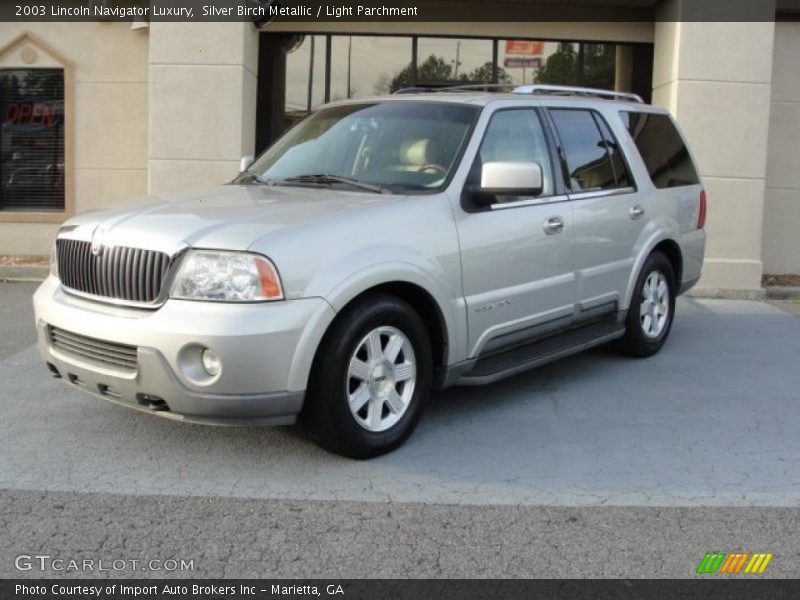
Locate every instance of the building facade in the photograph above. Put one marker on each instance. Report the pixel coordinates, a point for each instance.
(98, 113)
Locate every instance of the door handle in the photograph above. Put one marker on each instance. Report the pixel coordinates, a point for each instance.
(553, 226)
(636, 212)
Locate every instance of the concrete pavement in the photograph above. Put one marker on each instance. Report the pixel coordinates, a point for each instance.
(236, 537)
(492, 478)
(16, 318)
(711, 420)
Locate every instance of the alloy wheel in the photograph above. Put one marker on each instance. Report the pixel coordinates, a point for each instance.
(654, 308)
(381, 377)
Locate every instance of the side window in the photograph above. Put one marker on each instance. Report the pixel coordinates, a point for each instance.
(621, 173)
(588, 161)
(662, 149)
(516, 135)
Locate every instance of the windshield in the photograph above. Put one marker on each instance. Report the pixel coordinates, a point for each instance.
(396, 146)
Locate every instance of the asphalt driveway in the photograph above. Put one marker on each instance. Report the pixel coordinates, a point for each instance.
(711, 421)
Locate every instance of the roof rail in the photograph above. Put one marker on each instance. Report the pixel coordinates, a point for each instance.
(467, 87)
(536, 88)
(480, 87)
(567, 90)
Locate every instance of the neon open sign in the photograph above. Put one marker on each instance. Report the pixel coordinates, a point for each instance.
(34, 114)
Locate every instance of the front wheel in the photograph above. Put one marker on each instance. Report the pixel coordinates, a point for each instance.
(652, 309)
(371, 377)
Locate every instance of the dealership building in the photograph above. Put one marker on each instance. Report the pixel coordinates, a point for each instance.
(97, 113)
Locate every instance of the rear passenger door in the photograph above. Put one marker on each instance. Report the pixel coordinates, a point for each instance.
(608, 210)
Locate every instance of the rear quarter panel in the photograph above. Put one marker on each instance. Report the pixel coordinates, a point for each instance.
(671, 213)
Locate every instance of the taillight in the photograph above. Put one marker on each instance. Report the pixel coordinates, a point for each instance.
(701, 213)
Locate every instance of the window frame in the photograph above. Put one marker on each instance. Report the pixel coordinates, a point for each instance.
(23, 40)
(632, 188)
(559, 190)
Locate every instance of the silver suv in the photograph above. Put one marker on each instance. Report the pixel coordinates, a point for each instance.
(381, 248)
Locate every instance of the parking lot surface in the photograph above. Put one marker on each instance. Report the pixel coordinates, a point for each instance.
(697, 446)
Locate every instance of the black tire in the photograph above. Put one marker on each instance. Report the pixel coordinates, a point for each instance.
(636, 342)
(326, 412)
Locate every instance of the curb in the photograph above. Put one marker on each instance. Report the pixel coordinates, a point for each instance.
(725, 294)
(783, 292)
(23, 273)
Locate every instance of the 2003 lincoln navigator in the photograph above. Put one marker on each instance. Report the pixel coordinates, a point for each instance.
(381, 248)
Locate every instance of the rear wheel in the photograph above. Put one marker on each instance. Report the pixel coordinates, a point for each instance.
(371, 377)
(652, 309)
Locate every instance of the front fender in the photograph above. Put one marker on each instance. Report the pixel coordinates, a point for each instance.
(366, 271)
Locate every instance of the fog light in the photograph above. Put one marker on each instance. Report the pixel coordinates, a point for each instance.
(211, 362)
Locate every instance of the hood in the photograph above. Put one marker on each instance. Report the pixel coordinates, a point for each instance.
(229, 217)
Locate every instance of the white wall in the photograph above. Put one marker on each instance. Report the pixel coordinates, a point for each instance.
(202, 102)
(109, 107)
(781, 241)
(716, 79)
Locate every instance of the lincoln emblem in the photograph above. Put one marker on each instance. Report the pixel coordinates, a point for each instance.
(97, 241)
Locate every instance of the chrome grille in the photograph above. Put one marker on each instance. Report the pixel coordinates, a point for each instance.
(129, 274)
(94, 350)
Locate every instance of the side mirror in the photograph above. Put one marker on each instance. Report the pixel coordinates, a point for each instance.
(508, 179)
(245, 162)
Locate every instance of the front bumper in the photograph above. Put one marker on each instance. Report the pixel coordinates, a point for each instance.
(266, 352)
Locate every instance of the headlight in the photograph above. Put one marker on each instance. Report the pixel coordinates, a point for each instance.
(226, 277)
(54, 261)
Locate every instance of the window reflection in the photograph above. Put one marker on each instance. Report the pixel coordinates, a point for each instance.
(561, 63)
(454, 60)
(614, 153)
(519, 61)
(305, 77)
(366, 65)
(587, 159)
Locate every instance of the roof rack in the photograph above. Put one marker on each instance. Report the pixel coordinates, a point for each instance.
(567, 90)
(537, 88)
(467, 87)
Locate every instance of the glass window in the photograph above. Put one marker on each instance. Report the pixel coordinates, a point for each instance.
(31, 139)
(519, 61)
(516, 136)
(617, 158)
(584, 64)
(395, 145)
(588, 161)
(662, 149)
(443, 60)
(305, 77)
(369, 65)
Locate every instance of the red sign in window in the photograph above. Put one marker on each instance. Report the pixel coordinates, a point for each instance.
(524, 47)
(33, 114)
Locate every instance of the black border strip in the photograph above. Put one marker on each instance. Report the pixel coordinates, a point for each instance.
(383, 11)
(708, 588)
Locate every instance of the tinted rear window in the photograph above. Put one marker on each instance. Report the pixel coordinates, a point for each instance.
(662, 149)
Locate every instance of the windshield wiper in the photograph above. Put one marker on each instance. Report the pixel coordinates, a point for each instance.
(324, 178)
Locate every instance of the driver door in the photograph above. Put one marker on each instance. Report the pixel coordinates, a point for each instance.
(517, 253)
